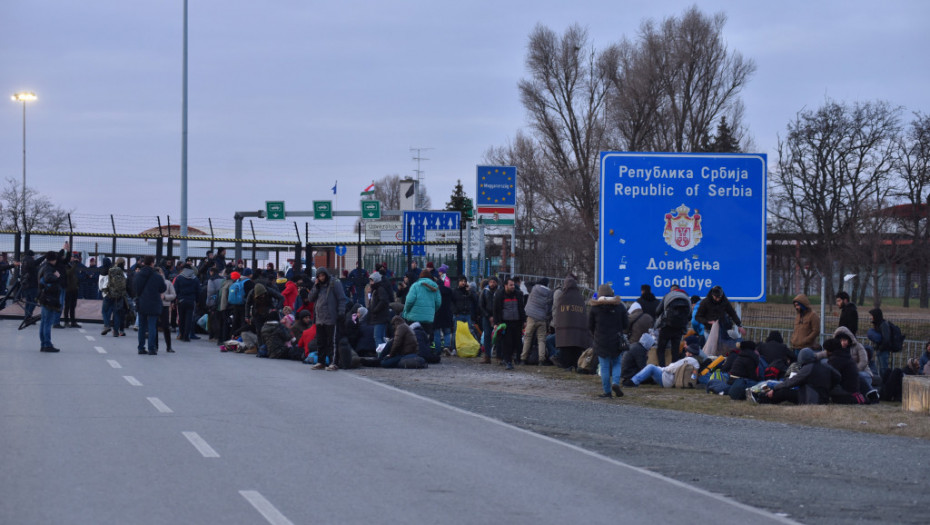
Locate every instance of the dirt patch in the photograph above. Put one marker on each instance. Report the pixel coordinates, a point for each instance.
(552, 383)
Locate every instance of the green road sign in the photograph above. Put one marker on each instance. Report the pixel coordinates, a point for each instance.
(322, 209)
(274, 210)
(371, 209)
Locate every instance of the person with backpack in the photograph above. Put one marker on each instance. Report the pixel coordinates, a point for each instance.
(538, 312)
(115, 299)
(806, 332)
(882, 339)
(674, 315)
(239, 289)
(570, 320)
(509, 311)
(607, 322)
(664, 376)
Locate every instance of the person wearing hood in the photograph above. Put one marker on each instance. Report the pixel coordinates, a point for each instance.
(606, 321)
(464, 303)
(329, 308)
(444, 323)
(776, 353)
(403, 344)
(880, 335)
(379, 307)
(444, 275)
(422, 301)
(538, 312)
(289, 293)
(187, 286)
(846, 392)
(814, 382)
(570, 321)
(636, 358)
(806, 332)
(670, 333)
(259, 304)
(508, 310)
(856, 351)
(149, 286)
(849, 315)
(640, 323)
(647, 301)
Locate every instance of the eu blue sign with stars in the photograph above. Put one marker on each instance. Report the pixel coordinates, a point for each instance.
(497, 186)
(692, 219)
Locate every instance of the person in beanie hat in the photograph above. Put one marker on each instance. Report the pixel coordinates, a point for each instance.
(607, 319)
(743, 367)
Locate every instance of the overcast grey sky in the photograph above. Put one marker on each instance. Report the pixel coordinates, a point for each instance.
(288, 96)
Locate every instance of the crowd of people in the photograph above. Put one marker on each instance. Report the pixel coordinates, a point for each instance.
(377, 319)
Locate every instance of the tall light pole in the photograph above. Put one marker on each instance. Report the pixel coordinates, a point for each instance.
(184, 143)
(24, 96)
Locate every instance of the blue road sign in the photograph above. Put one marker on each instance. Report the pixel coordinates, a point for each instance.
(693, 219)
(497, 186)
(340, 250)
(417, 222)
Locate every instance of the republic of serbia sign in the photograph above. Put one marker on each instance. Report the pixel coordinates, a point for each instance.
(695, 219)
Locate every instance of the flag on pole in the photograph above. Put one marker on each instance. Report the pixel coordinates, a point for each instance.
(334, 187)
(370, 190)
(410, 191)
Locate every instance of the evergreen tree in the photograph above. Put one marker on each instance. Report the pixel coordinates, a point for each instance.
(724, 141)
(460, 202)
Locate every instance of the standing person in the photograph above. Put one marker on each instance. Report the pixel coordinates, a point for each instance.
(71, 295)
(413, 273)
(647, 300)
(486, 306)
(674, 315)
(608, 318)
(187, 286)
(329, 309)
(508, 310)
(849, 315)
(115, 295)
(49, 298)
(359, 278)
(444, 276)
(443, 323)
(570, 322)
(219, 260)
(423, 300)
(167, 299)
(149, 286)
(30, 282)
(806, 332)
(717, 308)
(463, 305)
(379, 308)
(205, 264)
(538, 313)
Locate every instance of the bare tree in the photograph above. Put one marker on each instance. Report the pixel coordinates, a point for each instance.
(832, 179)
(565, 96)
(41, 214)
(913, 160)
(675, 82)
(387, 190)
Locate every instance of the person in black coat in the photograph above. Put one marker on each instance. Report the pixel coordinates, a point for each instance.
(149, 284)
(813, 382)
(776, 353)
(743, 366)
(443, 322)
(49, 297)
(849, 315)
(607, 319)
(844, 393)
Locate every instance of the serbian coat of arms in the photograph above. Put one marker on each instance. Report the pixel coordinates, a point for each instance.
(682, 231)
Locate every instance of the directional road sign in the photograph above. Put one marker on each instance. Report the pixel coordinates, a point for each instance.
(692, 219)
(274, 210)
(322, 209)
(340, 250)
(416, 223)
(371, 209)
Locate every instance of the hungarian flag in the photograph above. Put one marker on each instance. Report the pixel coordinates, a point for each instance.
(370, 190)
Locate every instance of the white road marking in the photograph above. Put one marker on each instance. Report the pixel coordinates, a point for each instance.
(90, 338)
(132, 381)
(100, 350)
(158, 404)
(83, 331)
(114, 363)
(719, 497)
(265, 508)
(201, 445)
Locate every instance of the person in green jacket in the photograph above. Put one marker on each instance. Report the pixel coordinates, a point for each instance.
(422, 301)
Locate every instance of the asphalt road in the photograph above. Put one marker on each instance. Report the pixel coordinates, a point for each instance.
(99, 434)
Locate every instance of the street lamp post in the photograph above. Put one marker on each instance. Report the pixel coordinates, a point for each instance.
(24, 96)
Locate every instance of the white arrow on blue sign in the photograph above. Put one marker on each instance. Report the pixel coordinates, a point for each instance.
(421, 221)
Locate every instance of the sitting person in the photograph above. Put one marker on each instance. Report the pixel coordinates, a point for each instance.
(893, 380)
(276, 338)
(846, 392)
(635, 359)
(403, 344)
(665, 376)
(814, 382)
(742, 365)
(776, 354)
(303, 322)
(640, 323)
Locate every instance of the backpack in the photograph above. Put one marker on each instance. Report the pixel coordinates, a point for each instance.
(897, 338)
(587, 363)
(683, 377)
(116, 287)
(678, 313)
(237, 293)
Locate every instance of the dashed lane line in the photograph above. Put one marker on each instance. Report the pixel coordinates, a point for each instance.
(132, 381)
(100, 350)
(114, 363)
(205, 449)
(265, 508)
(159, 405)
